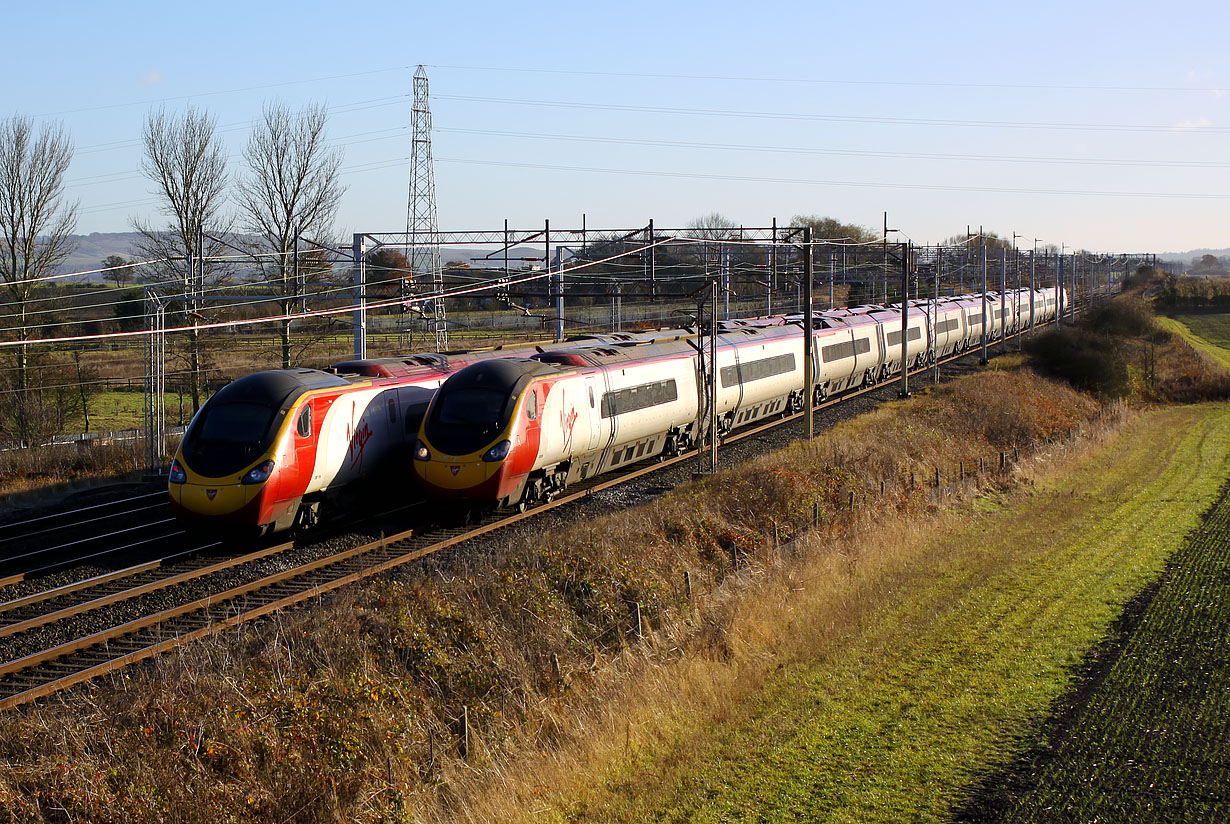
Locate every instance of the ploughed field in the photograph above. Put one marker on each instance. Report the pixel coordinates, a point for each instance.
(1146, 735)
(1053, 653)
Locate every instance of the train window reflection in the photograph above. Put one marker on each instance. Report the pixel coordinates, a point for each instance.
(471, 407)
(235, 422)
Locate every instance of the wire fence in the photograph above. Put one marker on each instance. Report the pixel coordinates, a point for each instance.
(76, 337)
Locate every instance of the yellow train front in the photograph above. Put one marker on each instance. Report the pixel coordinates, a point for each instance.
(236, 469)
(480, 438)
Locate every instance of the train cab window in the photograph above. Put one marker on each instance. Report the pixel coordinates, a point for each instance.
(531, 405)
(304, 425)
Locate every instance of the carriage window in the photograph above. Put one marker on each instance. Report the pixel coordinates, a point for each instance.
(304, 426)
(392, 410)
(591, 397)
(640, 397)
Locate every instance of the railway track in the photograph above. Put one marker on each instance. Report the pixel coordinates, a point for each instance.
(37, 546)
(44, 671)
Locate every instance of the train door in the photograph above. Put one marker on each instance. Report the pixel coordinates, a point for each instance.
(593, 396)
(737, 363)
(305, 444)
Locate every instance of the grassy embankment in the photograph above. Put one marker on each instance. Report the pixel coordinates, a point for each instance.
(1208, 333)
(538, 642)
(972, 626)
(1144, 738)
(347, 711)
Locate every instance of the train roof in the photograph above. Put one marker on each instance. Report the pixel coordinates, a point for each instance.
(498, 372)
(392, 367)
(275, 386)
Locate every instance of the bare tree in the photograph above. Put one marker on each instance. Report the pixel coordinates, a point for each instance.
(828, 228)
(291, 190)
(36, 224)
(714, 228)
(185, 162)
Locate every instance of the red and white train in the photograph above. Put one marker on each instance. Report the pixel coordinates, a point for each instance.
(272, 450)
(518, 431)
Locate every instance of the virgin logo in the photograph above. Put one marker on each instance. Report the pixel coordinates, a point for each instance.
(358, 436)
(567, 423)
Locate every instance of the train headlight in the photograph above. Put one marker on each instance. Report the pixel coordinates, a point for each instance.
(258, 474)
(421, 453)
(178, 475)
(498, 452)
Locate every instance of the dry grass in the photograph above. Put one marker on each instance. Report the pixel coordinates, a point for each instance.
(29, 476)
(347, 712)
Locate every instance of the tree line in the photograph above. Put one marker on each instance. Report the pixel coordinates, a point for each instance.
(276, 211)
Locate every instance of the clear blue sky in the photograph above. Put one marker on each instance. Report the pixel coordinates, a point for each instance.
(942, 114)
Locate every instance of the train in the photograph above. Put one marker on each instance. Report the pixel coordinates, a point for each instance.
(276, 450)
(515, 425)
(518, 431)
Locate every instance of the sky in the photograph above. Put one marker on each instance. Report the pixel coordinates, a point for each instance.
(1097, 125)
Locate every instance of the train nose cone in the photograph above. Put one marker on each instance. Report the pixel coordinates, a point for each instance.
(464, 477)
(216, 499)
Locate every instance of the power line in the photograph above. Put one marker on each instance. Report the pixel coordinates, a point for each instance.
(851, 183)
(217, 93)
(743, 147)
(835, 81)
(835, 118)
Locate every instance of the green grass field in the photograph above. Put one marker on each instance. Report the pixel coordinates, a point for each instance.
(1210, 333)
(990, 620)
(110, 411)
(1149, 741)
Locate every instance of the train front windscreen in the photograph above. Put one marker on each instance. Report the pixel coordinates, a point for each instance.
(466, 419)
(476, 404)
(241, 421)
(226, 438)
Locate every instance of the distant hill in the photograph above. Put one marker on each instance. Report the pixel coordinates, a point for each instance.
(1186, 257)
(93, 248)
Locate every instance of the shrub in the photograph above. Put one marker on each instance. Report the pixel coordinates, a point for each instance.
(1128, 316)
(1085, 359)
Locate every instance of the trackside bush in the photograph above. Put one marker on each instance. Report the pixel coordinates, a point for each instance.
(1126, 317)
(1087, 360)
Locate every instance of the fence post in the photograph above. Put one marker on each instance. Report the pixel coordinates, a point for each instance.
(463, 732)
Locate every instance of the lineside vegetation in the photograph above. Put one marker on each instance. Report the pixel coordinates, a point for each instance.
(586, 650)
